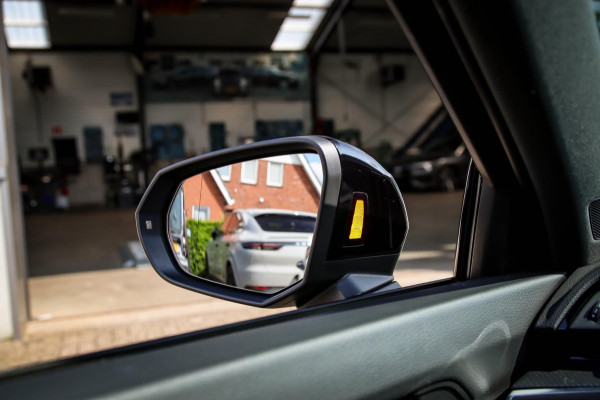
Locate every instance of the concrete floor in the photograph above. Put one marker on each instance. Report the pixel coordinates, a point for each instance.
(77, 241)
(90, 311)
(81, 301)
(433, 229)
(85, 312)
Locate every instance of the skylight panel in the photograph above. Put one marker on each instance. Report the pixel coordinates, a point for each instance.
(25, 24)
(300, 24)
(291, 41)
(302, 20)
(312, 3)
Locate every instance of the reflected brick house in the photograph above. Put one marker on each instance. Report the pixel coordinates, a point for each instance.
(284, 182)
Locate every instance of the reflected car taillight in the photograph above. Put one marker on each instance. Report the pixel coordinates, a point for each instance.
(260, 288)
(261, 246)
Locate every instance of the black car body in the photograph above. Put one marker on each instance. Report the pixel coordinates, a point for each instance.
(431, 171)
(439, 160)
(184, 76)
(272, 77)
(230, 82)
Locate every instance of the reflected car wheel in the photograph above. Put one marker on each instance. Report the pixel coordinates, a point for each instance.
(230, 279)
(206, 267)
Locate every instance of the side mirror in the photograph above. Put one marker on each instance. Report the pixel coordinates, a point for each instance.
(354, 222)
(214, 233)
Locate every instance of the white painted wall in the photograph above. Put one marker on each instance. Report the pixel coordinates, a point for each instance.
(80, 96)
(352, 96)
(7, 328)
(239, 116)
(350, 93)
(13, 269)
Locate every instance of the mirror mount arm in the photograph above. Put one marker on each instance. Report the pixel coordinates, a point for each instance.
(353, 285)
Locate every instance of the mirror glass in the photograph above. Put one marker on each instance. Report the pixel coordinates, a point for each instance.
(248, 224)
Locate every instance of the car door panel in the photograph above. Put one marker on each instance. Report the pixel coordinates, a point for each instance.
(469, 333)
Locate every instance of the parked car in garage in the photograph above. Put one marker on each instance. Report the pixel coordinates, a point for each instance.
(230, 82)
(272, 77)
(433, 170)
(439, 161)
(184, 77)
(259, 248)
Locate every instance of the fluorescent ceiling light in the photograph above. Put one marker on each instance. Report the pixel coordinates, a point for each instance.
(297, 29)
(312, 3)
(302, 20)
(291, 41)
(34, 37)
(25, 24)
(23, 12)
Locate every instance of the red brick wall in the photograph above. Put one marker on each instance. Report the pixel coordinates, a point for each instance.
(297, 192)
(211, 196)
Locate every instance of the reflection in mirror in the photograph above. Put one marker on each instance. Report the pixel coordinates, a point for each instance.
(249, 224)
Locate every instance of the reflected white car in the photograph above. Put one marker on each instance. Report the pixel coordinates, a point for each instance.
(259, 249)
(178, 232)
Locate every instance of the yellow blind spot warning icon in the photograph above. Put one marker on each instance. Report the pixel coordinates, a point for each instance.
(358, 220)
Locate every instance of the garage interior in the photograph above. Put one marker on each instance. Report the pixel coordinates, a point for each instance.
(104, 93)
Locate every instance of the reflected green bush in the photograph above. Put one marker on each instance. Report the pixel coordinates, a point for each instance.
(200, 235)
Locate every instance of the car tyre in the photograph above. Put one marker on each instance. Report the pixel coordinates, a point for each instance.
(283, 84)
(230, 278)
(206, 267)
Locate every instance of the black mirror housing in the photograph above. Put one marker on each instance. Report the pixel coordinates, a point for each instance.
(350, 178)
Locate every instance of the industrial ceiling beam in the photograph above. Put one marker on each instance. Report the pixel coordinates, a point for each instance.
(332, 17)
(148, 48)
(256, 5)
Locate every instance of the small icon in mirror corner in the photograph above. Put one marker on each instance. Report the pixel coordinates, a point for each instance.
(249, 224)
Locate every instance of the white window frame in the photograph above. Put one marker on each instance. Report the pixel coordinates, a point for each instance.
(270, 181)
(243, 175)
(225, 178)
(197, 210)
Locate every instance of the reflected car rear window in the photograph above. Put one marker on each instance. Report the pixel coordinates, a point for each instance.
(286, 223)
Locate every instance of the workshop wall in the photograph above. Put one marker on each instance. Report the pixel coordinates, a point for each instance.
(351, 93)
(80, 96)
(239, 116)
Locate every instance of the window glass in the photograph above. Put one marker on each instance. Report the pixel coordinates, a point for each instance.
(250, 172)
(225, 173)
(90, 285)
(201, 213)
(275, 174)
(286, 223)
